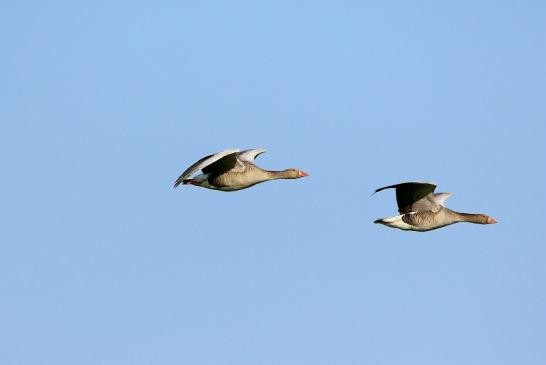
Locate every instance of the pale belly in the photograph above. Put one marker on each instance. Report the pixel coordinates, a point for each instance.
(415, 222)
(233, 182)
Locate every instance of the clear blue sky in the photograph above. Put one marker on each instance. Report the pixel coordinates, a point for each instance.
(105, 103)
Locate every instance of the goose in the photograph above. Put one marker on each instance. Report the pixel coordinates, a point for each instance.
(232, 170)
(423, 210)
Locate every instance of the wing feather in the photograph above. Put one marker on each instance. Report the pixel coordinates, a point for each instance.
(413, 196)
(250, 155)
(202, 164)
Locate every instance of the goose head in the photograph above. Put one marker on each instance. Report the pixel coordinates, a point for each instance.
(293, 173)
(480, 219)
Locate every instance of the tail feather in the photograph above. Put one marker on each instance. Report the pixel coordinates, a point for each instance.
(179, 181)
(199, 180)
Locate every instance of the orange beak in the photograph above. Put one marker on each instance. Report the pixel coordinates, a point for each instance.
(491, 220)
(302, 174)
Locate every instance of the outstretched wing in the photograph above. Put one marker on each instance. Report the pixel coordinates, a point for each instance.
(202, 164)
(224, 164)
(250, 155)
(440, 198)
(414, 196)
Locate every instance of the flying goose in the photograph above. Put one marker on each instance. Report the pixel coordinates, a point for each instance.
(232, 170)
(423, 210)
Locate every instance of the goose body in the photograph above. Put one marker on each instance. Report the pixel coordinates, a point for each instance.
(423, 210)
(232, 170)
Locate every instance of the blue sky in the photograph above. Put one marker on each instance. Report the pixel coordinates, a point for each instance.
(105, 103)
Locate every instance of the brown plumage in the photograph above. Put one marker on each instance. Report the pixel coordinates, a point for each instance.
(232, 170)
(423, 210)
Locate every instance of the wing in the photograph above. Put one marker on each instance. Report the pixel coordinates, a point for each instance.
(250, 155)
(426, 204)
(202, 164)
(224, 164)
(440, 198)
(413, 196)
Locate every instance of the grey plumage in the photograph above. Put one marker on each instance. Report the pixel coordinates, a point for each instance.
(232, 170)
(423, 210)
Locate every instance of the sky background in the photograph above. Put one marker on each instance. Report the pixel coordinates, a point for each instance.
(104, 104)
